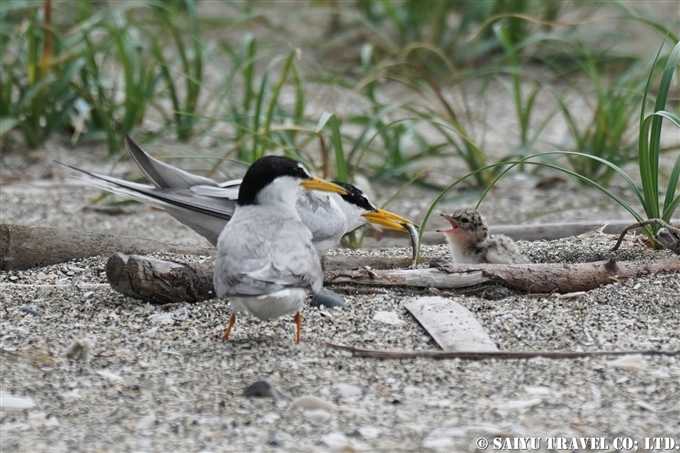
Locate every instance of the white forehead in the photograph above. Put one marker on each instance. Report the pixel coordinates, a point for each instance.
(302, 167)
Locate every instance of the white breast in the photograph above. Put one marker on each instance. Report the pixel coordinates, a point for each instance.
(270, 306)
(457, 255)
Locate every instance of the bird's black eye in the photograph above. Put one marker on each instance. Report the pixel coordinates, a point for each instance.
(465, 220)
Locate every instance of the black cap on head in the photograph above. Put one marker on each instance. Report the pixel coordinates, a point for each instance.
(356, 197)
(263, 172)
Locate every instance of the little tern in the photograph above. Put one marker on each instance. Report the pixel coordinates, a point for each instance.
(470, 242)
(206, 206)
(266, 262)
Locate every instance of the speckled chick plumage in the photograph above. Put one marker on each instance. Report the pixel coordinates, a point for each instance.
(470, 242)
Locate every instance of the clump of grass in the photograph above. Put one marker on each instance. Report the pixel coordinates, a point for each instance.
(607, 135)
(253, 104)
(37, 70)
(649, 150)
(190, 59)
(412, 23)
(51, 67)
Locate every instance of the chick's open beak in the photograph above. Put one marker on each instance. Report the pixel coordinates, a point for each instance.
(452, 221)
(388, 219)
(323, 185)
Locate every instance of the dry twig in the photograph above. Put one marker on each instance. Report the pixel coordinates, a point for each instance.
(668, 236)
(475, 355)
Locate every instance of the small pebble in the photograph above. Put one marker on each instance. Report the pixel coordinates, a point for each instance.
(370, 432)
(79, 350)
(348, 390)
(328, 299)
(313, 403)
(275, 441)
(181, 314)
(263, 389)
(30, 311)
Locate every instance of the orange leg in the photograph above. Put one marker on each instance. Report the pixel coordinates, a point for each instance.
(298, 321)
(232, 320)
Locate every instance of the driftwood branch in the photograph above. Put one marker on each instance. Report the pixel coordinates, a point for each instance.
(476, 355)
(140, 281)
(530, 278)
(25, 247)
(159, 281)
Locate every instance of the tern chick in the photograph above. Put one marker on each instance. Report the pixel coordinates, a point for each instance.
(470, 242)
(266, 263)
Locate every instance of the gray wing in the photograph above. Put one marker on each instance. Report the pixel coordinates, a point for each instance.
(207, 215)
(279, 256)
(321, 215)
(503, 250)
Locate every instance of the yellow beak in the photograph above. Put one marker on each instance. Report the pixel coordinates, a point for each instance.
(387, 219)
(323, 185)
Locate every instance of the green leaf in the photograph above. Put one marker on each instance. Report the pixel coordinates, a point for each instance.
(7, 124)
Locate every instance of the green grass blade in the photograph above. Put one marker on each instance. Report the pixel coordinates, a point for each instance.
(273, 102)
(256, 115)
(650, 135)
(336, 139)
(670, 198)
(574, 174)
(670, 209)
(323, 121)
(248, 50)
(6, 125)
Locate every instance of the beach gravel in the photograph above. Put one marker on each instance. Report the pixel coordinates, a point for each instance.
(87, 369)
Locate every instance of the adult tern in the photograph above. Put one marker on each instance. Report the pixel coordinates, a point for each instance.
(206, 206)
(266, 263)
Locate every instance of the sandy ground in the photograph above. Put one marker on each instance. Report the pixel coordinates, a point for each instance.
(87, 369)
(161, 378)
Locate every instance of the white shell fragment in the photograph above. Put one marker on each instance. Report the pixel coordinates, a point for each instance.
(348, 390)
(146, 422)
(109, 375)
(17, 403)
(318, 415)
(645, 406)
(337, 442)
(452, 326)
(314, 408)
(630, 362)
(388, 317)
(310, 402)
(166, 318)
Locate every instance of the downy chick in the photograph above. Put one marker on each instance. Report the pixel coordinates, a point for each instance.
(470, 242)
